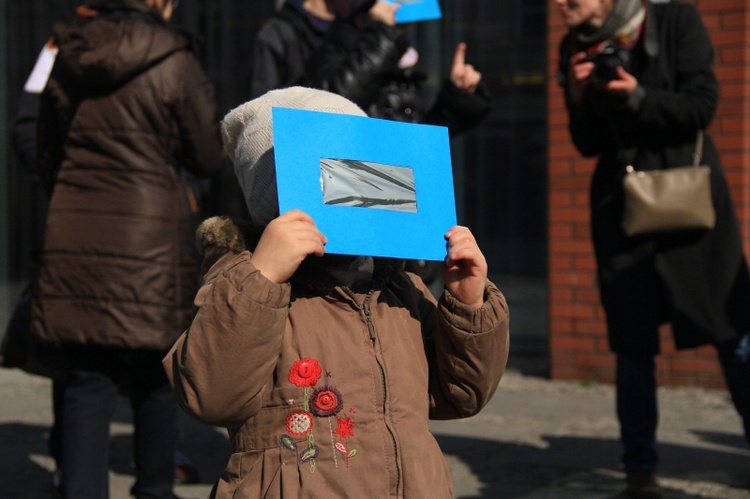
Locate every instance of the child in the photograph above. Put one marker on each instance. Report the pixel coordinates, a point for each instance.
(326, 369)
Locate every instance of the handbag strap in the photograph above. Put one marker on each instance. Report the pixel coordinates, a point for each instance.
(698, 153)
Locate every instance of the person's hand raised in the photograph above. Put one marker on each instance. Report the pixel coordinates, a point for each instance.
(285, 243)
(463, 75)
(384, 12)
(465, 268)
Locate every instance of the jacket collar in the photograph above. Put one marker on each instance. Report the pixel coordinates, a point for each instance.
(314, 277)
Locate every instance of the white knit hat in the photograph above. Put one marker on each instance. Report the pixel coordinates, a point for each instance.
(248, 140)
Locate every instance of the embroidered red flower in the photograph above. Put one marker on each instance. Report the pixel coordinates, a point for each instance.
(299, 423)
(305, 372)
(326, 401)
(344, 428)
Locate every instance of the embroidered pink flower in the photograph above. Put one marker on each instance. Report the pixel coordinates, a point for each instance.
(299, 423)
(305, 372)
(326, 401)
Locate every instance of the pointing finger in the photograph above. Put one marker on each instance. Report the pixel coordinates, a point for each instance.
(459, 58)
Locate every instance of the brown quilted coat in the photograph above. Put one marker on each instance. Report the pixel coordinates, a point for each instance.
(327, 393)
(126, 107)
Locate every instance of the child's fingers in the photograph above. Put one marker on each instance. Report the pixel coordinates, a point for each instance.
(459, 233)
(462, 246)
(465, 253)
(296, 215)
(307, 237)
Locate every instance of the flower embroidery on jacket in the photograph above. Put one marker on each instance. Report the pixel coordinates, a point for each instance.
(299, 423)
(305, 372)
(344, 431)
(323, 402)
(326, 401)
(344, 428)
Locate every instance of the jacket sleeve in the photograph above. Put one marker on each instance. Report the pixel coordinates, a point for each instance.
(467, 354)
(24, 129)
(690, 104)
(458, 109)
(269, 60)
(219, 366)
(51, 128)
(202, 152)
(27, 113)
(590, 134)
(351, 62)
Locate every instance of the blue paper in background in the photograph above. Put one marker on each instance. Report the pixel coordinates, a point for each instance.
(302, 138)
(417, 10)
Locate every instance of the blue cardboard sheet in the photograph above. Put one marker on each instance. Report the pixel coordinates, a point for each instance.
(417, 10)
(304, 139)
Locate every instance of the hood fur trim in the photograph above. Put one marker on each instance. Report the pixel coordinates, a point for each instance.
(221, 232)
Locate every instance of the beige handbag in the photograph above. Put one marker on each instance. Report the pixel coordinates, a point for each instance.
(669, 200)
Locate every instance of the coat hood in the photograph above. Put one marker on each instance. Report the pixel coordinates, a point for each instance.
(114, 40)
(218, 235)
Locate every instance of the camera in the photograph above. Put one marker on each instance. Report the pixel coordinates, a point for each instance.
(606, 62)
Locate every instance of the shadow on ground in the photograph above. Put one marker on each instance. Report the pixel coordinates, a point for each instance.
(575, 467)
(567, 468)
(26, 466)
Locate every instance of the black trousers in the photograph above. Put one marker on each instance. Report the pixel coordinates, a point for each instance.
(637, 405)
(98, 376)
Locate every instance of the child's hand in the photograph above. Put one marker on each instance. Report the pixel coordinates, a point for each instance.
(285, 243)
(465, 268)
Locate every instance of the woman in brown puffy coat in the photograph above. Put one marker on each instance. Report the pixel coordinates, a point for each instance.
(127, 107)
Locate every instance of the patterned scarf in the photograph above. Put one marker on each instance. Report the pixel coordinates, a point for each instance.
(622, 26)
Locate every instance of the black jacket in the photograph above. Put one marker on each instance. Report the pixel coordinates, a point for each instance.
(697, 281)
(362, 65)
(281, 50)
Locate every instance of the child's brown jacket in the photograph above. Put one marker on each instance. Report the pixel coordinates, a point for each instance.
(327, 393)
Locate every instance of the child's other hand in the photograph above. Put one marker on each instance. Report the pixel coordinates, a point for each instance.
(465, 268)
(285, 243)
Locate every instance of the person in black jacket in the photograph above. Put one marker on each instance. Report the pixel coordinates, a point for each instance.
(285, 43)
(639, 85)
(24, 144)
(280, 52)
(368, 59)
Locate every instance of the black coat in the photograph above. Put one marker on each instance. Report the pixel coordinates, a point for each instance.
(362, 65)
(281, 50)
(697, 281)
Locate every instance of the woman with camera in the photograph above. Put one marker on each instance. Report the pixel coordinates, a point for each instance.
(639, 86)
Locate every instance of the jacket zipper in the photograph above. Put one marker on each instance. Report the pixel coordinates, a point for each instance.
(368, 318)
(371, 328)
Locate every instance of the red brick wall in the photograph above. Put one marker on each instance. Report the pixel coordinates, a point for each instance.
(578, 341)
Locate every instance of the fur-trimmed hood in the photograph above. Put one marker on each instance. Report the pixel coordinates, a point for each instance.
(217, 235)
